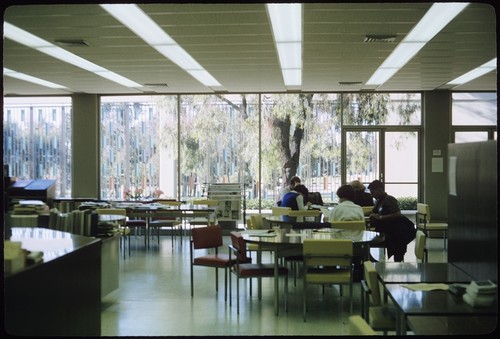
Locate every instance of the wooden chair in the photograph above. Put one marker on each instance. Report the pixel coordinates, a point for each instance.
(380, 316)
(327, 261)
(359, 225)
(172, 221)
(423, 221)
(245, 269)
(420, 246)
(209, 238)
(358, 326)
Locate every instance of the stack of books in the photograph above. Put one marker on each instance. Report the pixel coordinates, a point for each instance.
(480, 293)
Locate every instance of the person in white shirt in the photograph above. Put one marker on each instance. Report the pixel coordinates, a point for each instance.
(346, 210)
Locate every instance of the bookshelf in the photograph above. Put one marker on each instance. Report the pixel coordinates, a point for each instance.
(229, 196)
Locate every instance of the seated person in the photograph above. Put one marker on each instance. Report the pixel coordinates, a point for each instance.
(398, 230)
(361, 198)
(294, 181)
(295, 200)
(346, 209)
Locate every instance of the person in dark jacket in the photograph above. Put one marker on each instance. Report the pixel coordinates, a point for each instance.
(387, 219)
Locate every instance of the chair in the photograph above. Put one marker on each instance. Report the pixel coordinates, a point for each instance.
(209, 238)
(420, 248)
(359, 225)
(423, 221)
(276, 210)
(120, 225)
(200, 218)
(256, 222)
(380, 316)
(327, 261)
(358, 326)
(171, 221)
(367, 210)
(245, 269)
(301, 214)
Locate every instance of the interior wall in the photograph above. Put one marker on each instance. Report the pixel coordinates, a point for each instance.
(473, 208)
(437, 126)
(85, 146)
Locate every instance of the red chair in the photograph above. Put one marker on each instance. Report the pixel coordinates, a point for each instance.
(244, 269)
(209, 237)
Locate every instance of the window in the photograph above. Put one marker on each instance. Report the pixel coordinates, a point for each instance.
(474, 116)
(37, 140)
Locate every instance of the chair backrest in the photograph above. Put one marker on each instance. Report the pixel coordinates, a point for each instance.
(420, 245)
(327, 252)
(206, 202)
(359, 225)
(304, 213)
(275, 210)
(239, 243)
(424, 211)
(367, 210)
(371, 278)
(207, 237)
(257, 221)
(359, 326)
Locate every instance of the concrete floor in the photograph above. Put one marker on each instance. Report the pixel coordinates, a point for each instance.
(154, 299)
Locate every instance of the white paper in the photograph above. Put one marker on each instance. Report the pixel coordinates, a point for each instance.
(437, 164)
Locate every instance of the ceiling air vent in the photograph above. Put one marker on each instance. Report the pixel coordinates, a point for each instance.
(350, 83)
(72, 42)
(380, 38)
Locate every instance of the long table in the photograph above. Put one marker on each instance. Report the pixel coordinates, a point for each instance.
(156, 210)
(436, 303)
(289, 241)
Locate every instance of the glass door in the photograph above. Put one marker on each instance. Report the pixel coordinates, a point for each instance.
(385, 154)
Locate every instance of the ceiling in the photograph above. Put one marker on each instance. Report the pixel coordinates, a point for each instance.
(234, 43)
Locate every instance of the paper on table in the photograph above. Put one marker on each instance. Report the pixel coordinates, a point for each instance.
(259, 233)
(426, 286)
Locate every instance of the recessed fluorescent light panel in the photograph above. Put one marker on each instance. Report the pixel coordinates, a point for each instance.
(436, 18)
(475, 73)
(138, 22)
(25, 38)
(286, 23)
(32, 79)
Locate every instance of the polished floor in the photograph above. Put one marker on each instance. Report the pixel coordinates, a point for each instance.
(154, 299)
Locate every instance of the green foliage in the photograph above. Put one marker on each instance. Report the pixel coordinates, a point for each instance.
(407, 203)
(253, 204)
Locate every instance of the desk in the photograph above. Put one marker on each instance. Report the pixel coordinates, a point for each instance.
(406, 272)
(430, 303)
(60, 296)
(452, 325)
(281, 241)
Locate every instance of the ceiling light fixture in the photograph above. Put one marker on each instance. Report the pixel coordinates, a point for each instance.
(25, 77)
(475, 73)
(138, 22)
(436, 18)
(286, 23)
(25, 38)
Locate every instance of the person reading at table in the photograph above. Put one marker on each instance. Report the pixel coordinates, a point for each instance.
(398, 230)
(346, 210)
(294, 181)
(296, 200)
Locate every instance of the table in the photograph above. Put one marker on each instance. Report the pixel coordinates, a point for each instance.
(284, 240)
(452, 325)
(408, 272)
(156, 210)
(430, 303)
